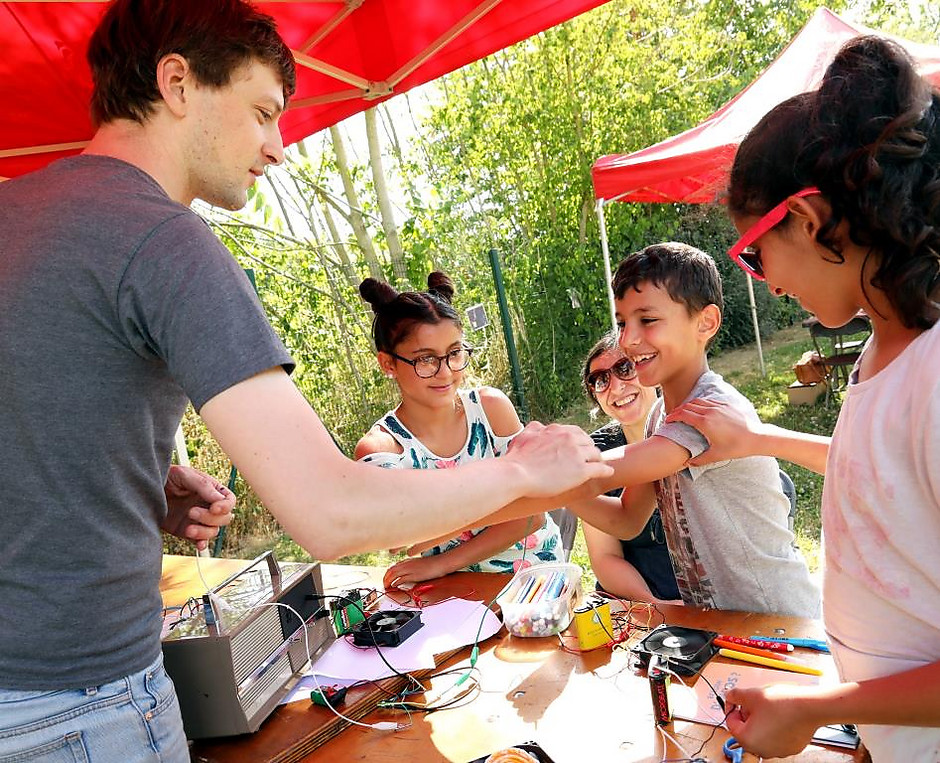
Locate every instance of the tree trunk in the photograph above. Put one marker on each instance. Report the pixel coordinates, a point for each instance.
(355, 210)
(399, 269)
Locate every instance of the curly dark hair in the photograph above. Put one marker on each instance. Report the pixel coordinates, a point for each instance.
(216, 37)
(869, 139)
(396, 313)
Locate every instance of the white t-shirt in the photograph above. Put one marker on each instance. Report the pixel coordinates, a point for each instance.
(881, 517)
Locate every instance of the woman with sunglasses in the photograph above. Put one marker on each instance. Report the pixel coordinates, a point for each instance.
(437, 425)
(836, 194)
(638, 569)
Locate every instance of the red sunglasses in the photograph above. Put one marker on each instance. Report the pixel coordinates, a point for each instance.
(747, 257)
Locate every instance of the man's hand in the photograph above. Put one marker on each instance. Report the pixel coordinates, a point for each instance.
(197, 505)
(556, 458)
(772, 721)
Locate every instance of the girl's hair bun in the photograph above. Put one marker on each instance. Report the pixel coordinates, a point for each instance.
(377, 293)
(441, 285)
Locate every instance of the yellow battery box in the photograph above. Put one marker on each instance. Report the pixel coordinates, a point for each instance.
(592, 623)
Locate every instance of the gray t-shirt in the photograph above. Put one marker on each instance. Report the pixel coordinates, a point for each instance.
(116, 305)
(726, 523)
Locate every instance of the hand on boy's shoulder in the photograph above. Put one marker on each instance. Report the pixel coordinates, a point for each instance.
(726, 427)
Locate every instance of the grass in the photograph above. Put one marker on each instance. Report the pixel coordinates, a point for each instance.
(255, 531)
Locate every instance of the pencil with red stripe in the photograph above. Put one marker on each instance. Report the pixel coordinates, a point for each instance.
(721, 643)
(770, 646)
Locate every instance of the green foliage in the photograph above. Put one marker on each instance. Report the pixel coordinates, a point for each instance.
(510, 153)
(504, 162)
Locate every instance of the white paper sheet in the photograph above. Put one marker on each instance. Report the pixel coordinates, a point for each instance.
(447, 626)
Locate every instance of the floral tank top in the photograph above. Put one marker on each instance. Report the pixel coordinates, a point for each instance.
(542, 545)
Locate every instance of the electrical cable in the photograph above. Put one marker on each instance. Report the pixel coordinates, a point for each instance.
(666, 735)
(380, 726)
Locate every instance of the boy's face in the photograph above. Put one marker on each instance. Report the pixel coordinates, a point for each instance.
(666, 343)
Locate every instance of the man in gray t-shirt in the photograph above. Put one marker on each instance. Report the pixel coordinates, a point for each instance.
(117, 304)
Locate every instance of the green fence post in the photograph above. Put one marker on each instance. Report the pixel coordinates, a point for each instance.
(507, 333)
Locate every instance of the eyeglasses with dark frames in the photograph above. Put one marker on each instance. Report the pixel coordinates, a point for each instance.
(429, 365)
(746, 256)
(599, 380)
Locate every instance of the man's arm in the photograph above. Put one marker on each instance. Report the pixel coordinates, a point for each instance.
(777, 721)
(333, 506)
(731, 435)
(635, 468)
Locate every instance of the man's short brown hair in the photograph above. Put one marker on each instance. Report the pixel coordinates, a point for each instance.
(216, 37)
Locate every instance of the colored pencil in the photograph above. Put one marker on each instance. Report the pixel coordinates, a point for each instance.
(734, 646)
(758, 643)
(793, 667)
(524, 590)
(808, 643)
(539, 582)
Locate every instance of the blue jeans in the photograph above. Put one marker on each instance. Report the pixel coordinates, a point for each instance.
(131, 720)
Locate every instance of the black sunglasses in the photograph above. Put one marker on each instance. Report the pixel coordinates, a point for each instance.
(599, 380)
(428, 366)
(749, 259)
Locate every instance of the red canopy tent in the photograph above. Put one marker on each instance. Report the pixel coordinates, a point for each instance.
(693, 167)
(351, 54)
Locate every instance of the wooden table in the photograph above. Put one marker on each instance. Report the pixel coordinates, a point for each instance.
(590, 706)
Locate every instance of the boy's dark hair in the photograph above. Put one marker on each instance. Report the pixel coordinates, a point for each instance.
(607, 343)
(869, 139)
(216, 37)
(396, 313)
(688, 275)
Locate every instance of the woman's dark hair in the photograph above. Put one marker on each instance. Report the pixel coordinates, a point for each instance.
(216, 37)
(869, 139)
(607, 343)
(396, 313)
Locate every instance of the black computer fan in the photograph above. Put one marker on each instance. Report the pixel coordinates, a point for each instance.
(387, 627)
(685, 650)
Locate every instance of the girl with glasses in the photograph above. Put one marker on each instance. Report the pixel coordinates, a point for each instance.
(639, 568)
(438, 425)
(836, 195)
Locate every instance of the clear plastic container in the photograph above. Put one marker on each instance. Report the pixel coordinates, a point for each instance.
(539, 599)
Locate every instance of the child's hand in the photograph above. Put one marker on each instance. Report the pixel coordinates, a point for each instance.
(197, 505)
(771, 721)
(727, 430)
(414, 570)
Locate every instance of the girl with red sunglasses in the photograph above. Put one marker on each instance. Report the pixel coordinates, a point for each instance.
(836, 195)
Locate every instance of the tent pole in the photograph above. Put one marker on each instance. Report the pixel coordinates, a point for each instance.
(602, 227)
(750, 297)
